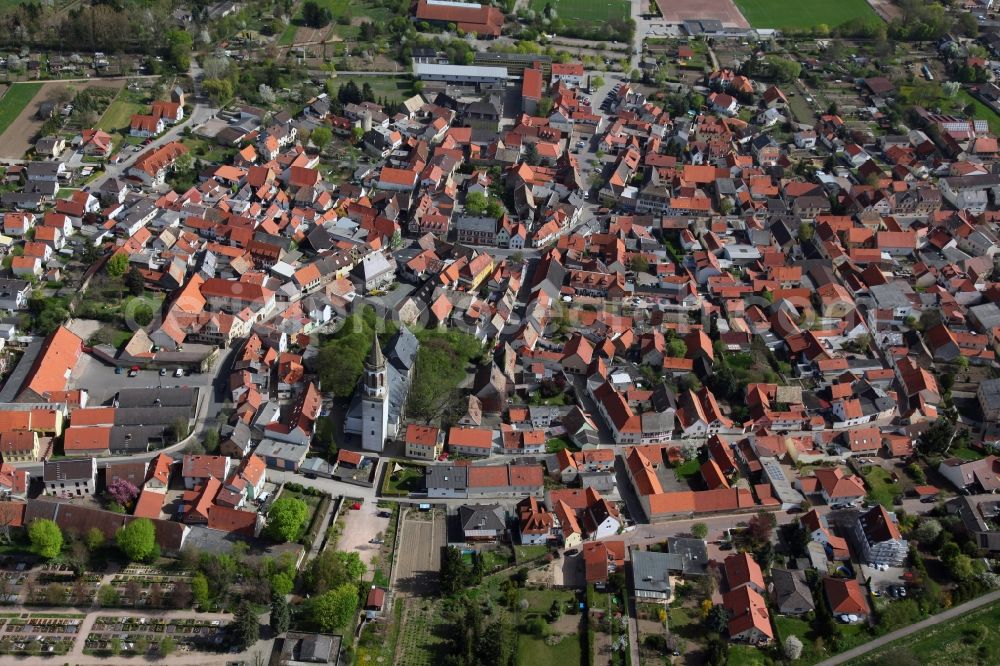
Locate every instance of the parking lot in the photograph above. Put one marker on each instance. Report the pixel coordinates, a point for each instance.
(880, 580)
(102, 382)
(422, 537)
(360, 527)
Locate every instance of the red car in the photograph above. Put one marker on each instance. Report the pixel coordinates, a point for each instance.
(356, 506)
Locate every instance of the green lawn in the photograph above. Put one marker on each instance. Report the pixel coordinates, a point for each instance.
(119, 115)
(557, 444)
(288, 36)
(881, 489)
(572, 11)
(533, 651)
(973, 638)
(690, 468)
(965, 453)
(525, 553)
(404, 481)
(803, 14)
(850, 636)
(983, 112)
(18, 96)
(540, 601)
(745, 655)
(393, 88)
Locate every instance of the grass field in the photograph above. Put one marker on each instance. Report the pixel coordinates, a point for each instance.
(393, 88)
(585, 10)
(972, 639)
(803, 14)
(881, 489)
(533, 651)
(119, 115)
(813, 652)
(983, 112)
(18, 96)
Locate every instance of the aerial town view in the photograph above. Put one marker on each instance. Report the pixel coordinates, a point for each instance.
(521, 333)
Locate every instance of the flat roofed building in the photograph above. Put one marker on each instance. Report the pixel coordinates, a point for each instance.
(460, 74)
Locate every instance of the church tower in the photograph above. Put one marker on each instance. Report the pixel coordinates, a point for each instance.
(374, 401)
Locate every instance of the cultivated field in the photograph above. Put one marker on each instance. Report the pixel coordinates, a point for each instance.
(675, 11)
(420, 543)
(585, 11)
(19, 134)
(804, 13)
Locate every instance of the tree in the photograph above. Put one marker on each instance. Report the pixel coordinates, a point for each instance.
(544, 107)
(137, 540)
(321, 137)
(181, 595)
(454, 574)
(107, 596)
(784, 70)
(640, 264)
(134, 282)
(718, 619)
(927, 531)
(761, 526)
(475, 203)
(133, 592)
(280, 616)
(244, 628)
(332, 569)
(793, 647)
(285, 519)
(46, 538)
(220, 91)
(123, 491)
(596, 81)
(117, 265)
(55, 594)
(315, 16)
(936, 440)
(199, 590)
(676, 348)
(167, 646)
(333, 609)
(699, 530)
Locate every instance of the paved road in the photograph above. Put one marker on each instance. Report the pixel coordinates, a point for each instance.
(949, 614)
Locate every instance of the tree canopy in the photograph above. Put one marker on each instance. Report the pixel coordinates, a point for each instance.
(117, 265)
(245, 628)
(342, 358)
(440, 368)
(137, 540)
(331, 569)
(285, 519)
(46, 538)
(333, 609)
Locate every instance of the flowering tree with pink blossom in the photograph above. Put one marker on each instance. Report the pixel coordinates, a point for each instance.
(122, 491)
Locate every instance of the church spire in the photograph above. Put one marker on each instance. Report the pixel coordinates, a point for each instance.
(375, 357)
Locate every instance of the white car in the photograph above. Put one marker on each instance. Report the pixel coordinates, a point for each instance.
(179, 372)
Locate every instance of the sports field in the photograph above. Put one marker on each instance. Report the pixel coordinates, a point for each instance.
(13, 102)
(590, 11)
(803, 14)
